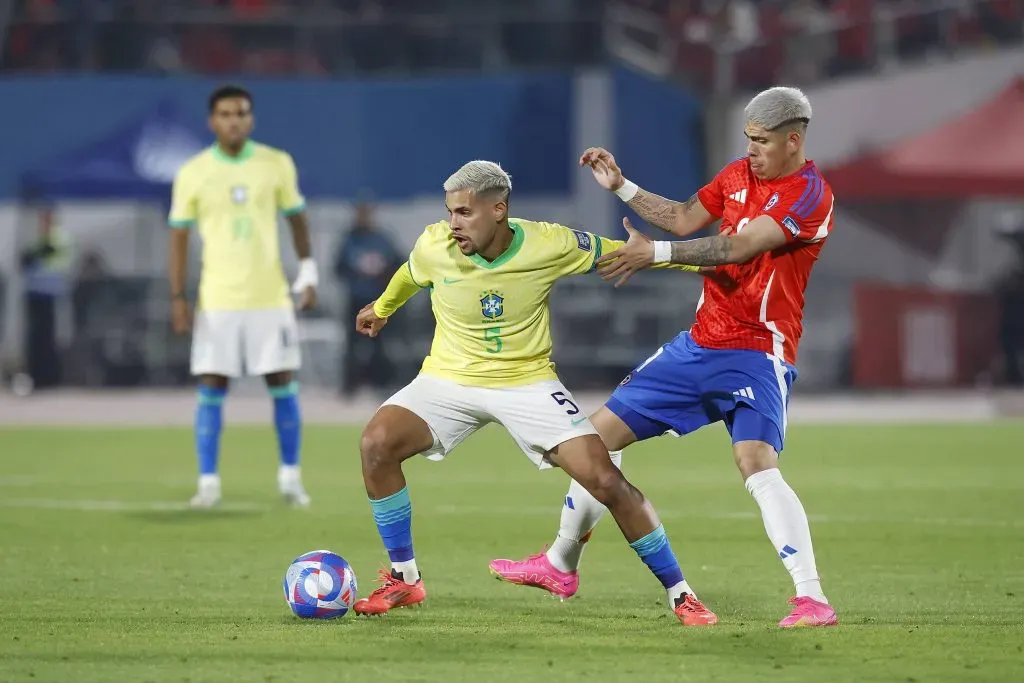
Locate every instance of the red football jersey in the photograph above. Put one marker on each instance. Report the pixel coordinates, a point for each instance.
(764, 311)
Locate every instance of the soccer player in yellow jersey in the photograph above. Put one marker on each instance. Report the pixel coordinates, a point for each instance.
(489, 278)
(232, 194)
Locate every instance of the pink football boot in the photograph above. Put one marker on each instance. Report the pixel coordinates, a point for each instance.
(809, 612)
(538, 572)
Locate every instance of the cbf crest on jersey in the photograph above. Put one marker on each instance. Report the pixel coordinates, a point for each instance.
(239, 194)
(492, 304)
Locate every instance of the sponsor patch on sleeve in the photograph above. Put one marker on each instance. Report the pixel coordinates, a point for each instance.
(791, 225)
(583, 240)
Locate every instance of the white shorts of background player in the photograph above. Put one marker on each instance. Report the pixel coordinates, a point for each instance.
(254, 342)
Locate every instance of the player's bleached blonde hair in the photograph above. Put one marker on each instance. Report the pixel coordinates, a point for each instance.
(778, 107)
(480, 177)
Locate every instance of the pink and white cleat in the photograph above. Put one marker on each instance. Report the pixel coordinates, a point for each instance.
(809, 612)
(538, 572)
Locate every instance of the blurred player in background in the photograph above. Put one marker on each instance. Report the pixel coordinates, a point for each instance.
(737, 362)
(245, 321)
(489, 278)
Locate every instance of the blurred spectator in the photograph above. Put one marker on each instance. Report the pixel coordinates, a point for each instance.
(770, 40)
(810, 43)
(365, 261)
(1010, 292)
(45, 265)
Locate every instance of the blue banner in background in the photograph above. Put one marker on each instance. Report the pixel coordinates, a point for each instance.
(659, 138)
(397, 139)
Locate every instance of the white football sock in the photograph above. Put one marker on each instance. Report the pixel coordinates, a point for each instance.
(408, 570)
(786, 523)
(209, 481)
(580, 514)
(288, 475)
(676, 591)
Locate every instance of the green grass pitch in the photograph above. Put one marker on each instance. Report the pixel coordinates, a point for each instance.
(918, 530)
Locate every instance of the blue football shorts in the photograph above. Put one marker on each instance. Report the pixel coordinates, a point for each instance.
(684, 386)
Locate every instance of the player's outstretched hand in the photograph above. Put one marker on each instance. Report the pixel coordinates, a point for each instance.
(181, 316)
(306, 283)
(606, 172)
(368, 323)
(636, 254)
(308, 299)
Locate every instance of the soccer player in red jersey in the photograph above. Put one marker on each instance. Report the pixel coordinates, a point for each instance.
(737, 363)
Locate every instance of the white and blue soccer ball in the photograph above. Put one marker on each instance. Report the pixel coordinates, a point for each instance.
(320, 585)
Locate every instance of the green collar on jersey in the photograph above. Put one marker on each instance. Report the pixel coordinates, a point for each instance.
(506, 256)
(247, 151)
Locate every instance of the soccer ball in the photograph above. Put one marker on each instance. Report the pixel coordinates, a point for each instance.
(320, 585)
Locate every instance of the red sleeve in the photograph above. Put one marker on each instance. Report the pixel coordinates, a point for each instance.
(711, 196)
(804, 212)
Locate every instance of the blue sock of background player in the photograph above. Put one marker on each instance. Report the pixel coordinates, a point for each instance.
(288, 424)
(208, 425)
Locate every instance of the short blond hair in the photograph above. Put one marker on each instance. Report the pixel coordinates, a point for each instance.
(480, 177)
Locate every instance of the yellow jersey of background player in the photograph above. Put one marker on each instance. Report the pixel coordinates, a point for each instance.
(232, 195)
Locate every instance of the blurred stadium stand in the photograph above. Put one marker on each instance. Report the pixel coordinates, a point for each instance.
(919, 285)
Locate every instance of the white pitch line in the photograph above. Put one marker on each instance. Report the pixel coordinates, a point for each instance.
(532, 511)
(19, 480)
(119, 505)
(468, 510)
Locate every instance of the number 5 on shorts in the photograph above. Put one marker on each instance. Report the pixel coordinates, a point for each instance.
(562, 400)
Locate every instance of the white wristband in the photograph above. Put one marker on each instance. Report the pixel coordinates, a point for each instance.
(308, 276)
(662, 252)
(627, 191)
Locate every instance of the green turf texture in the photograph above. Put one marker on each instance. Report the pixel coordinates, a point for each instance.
(918, 531)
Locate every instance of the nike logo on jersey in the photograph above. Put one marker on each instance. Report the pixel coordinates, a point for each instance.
(740, 196)
(452, 280)
(578, 421)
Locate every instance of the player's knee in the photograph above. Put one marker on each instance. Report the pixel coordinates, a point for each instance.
(754, 456)
(215, 382)
(377, 447)
(610, 488)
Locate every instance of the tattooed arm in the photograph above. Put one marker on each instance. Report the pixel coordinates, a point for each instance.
(679, 218)
(760, 235)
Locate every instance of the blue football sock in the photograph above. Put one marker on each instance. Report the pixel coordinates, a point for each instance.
(208, 425)
(287, 421)
(656, 552)
(393, 516)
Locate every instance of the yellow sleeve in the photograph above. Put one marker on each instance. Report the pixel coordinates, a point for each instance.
(574, 250)
(183, 201)
(608, 246)
(401, 288)
(419, 264)
(411, 277)
(578, 251)
(289, 199)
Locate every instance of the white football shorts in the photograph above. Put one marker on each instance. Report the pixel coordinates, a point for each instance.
(539, 416)
(256, 342)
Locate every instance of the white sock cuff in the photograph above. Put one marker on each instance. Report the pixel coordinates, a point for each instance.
(616, 458)
(570, 536)
(761, 480)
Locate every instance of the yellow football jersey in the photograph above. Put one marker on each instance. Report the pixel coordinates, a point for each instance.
(234, 202)
(493, 320)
